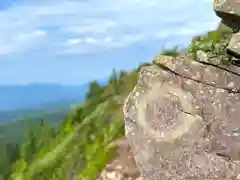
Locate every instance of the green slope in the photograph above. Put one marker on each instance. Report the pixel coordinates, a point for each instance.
(78, 145)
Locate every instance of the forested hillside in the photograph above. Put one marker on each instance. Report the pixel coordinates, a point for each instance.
(78, 146)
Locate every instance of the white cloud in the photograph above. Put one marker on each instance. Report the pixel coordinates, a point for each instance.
(20, 41)
(101, 27)
(93, 44)
(90, 40)
(73, 41)
(92, 26)
(125, 40)
(107, 40)
(29, 36)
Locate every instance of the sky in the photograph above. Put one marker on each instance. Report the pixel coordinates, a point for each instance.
(76, 41)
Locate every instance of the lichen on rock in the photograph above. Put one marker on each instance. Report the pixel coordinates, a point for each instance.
(183, 122)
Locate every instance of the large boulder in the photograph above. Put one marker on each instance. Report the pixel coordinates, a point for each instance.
(182, 120)
(229, 12)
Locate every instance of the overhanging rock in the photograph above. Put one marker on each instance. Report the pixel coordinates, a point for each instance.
(182, 121)
(229, 12)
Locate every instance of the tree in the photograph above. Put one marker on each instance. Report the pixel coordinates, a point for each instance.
(114, 81)
(94, 90)
(170, 52)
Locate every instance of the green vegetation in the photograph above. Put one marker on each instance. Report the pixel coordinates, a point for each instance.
(77, 147)
(170, 52)
(213, 43)
(15, 129)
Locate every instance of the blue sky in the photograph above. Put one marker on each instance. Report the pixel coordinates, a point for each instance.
(75, 41)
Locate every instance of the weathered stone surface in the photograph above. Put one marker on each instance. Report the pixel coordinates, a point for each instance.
(182, 121)
(234, 45)
(123, 167)
(229, 12)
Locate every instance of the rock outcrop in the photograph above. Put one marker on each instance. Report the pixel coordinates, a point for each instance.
(182, 121)
(229, 12)
(182, 118)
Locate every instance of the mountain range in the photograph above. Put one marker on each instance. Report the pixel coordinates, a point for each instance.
(38, 96)
(42, 96)
(17, 101)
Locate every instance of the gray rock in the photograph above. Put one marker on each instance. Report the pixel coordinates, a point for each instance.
(234, 45)
(229, 12)
(182, 121)
(123, 166)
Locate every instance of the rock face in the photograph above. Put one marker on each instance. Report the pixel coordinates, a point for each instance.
(229, 12)
(123, 167)
(234, 45)
(182, 121)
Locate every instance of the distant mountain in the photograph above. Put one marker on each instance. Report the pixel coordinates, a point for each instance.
(25, 106)
(20, 101)
(40, 96)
